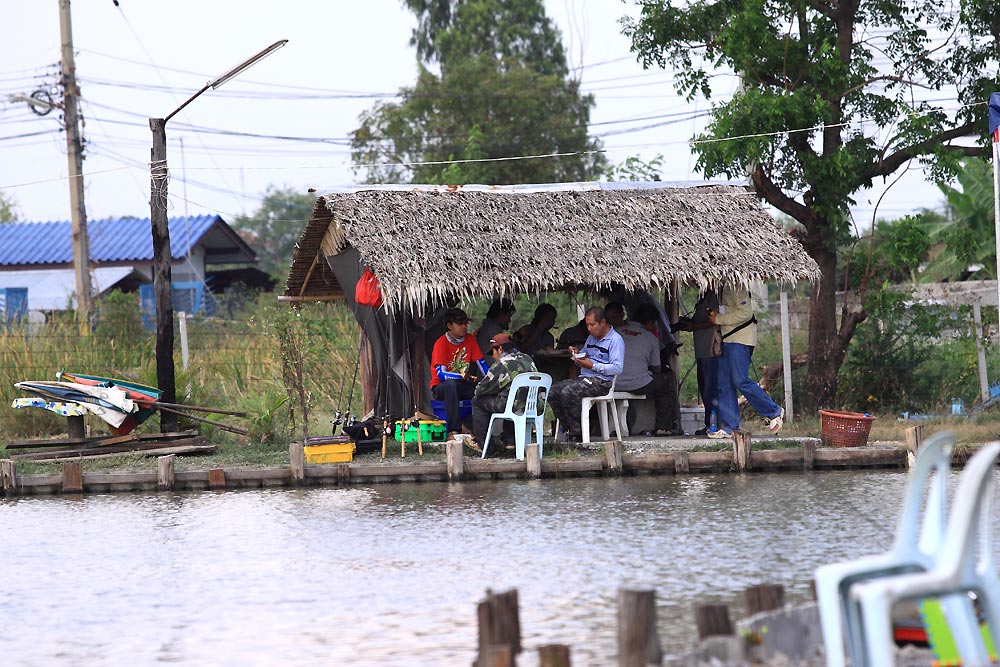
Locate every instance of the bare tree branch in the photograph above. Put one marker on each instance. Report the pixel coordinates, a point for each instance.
(891, 163)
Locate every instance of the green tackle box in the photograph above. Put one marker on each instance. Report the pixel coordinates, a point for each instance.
(431, 430)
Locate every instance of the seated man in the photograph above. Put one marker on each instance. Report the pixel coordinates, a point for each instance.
(492, 390)
(454, 359)
(498, 319)
(574, 336)
(641, 371)
(599, 361)
(535, 335)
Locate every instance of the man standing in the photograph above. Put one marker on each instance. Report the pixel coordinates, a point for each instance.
(491, 392)
(599, 361)
(739, 333)
(455, 360)
(701, 329)
(498, 319)
(642, 368)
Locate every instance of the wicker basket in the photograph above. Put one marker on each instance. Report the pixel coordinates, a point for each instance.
(845, 429)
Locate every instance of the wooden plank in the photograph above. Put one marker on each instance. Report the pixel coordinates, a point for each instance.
(777, 458)
(722, 460)
(499, 623)
(217, 479)
(258, 474)
(552, 467)
(91, 479)
(72, 478)
(713, 620)
(741, 451)
(808, 455)
(75, 427)
(158, 451)
(553, 655)
(682, 465)
(861, 457)
(489, 466)
(764, 597)
(379, 470)
(89, 452)
(657, 461)
(456, 459)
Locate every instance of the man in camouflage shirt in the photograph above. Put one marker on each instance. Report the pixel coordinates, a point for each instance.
(492, 390)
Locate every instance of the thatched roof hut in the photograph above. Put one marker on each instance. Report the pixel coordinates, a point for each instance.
(427, 246)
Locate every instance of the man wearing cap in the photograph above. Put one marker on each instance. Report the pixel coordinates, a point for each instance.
(498, 319)
(492, 390)
(455, 363)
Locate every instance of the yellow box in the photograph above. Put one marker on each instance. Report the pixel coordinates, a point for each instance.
(338, 452)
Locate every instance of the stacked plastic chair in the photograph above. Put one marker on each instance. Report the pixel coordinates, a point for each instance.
(918, 535)
(963, 564)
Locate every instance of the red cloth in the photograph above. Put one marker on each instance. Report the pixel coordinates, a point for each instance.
(448, 355)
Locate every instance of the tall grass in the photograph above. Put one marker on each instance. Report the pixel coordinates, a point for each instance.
(234, 364)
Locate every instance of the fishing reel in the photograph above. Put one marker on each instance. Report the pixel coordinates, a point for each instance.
(336, 421)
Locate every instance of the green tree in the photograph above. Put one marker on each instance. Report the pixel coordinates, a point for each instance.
(8, 209)
(274, 228)
(829, 104)
(635, 168)
(492, 83)
(965, 237)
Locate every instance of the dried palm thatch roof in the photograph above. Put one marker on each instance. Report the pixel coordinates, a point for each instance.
(435, 245)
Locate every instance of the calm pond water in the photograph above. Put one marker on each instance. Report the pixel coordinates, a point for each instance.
(391, 574)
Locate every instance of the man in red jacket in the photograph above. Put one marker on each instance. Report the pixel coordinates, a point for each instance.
(456, 364)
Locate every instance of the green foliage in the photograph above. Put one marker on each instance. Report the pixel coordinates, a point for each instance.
(8, 209)
(501, 89)
(269, 423)
(826, 106)
(635, 168)
(274, 228)
(893, 254)
(966, 237)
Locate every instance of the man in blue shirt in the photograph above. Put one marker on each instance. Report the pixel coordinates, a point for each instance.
(601, 358)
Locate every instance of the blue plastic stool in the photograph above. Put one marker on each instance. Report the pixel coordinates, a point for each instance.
(464, 410)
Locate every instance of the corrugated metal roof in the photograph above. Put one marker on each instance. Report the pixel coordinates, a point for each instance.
(111, 240)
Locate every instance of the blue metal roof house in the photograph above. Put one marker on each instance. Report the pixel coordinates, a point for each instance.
(39, 256)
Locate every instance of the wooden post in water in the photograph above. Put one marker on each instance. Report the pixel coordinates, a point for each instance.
(72, 478)
(165, 473)
(638, 643)
(8, 478)
(497, 655)
(764, 597)
(914, 438)
(499, 625)
(553, 655)
(741, 451)
(456, 462)
(613, 454)
(682, 464)
(808, 455)
(533, 460)
(713, 620)
(217, 479)
(297, 460)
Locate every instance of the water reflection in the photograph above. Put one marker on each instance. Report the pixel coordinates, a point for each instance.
(389, 575)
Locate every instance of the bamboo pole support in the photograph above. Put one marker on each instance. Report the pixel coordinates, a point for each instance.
(8, 477)
(72, 478)
(533, 460)
(165, 473)
(297, 460)
(638, 642)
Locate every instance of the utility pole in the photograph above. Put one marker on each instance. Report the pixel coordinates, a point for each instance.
(74, 150)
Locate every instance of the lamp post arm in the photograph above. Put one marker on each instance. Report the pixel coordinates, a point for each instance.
(189, 101)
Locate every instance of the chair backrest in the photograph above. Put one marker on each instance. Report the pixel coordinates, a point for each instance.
(969, 524)
(533, 382)
(923, 537)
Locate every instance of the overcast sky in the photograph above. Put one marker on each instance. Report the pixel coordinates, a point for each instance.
(286, 121)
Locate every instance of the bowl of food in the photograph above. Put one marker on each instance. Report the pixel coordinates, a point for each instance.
(580, 355)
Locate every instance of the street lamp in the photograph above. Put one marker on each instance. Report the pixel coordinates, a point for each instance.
(161, 241)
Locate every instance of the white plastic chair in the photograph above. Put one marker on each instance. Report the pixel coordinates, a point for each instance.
(913, 549)
(618, 402)
(532, 415)
(964, 564)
